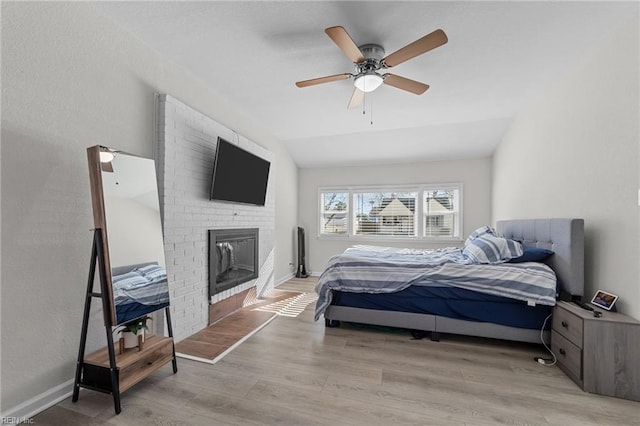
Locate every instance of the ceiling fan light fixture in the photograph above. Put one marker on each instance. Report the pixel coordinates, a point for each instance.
(368, 82)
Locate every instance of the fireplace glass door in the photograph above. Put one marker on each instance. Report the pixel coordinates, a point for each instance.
(233, 258)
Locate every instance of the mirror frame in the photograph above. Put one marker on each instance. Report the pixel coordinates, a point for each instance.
(100, 222)
(101, 189)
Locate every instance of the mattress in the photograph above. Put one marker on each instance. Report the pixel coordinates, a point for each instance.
(451, 302)
(367, 271)
(132, 310)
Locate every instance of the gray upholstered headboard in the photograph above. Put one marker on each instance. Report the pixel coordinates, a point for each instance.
(564, 236)
(118, 270)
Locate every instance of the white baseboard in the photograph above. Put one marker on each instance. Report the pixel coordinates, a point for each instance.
(293, 275)
(26, 410)
(284, 279)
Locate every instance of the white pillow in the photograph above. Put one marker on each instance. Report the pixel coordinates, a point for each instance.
(488, 248)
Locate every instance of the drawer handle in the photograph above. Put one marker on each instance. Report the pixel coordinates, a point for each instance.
(564, 324)
(562, 352)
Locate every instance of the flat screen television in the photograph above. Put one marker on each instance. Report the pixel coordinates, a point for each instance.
(238, 175)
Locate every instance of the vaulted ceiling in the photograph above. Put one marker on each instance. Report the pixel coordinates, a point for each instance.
(498, 57)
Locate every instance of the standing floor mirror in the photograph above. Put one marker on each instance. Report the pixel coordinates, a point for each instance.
(128, 258)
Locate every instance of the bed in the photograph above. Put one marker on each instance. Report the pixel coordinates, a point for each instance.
(138, 290)
(469, 312)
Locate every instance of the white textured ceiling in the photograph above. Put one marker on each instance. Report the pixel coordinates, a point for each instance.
(499, 55)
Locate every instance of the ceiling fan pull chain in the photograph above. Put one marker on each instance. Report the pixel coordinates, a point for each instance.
(371, 112)
(364, 102)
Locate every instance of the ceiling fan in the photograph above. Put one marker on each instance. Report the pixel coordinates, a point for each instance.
(369, 59)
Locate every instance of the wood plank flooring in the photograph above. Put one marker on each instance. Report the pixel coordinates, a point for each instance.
(214, 340)
(296, 372)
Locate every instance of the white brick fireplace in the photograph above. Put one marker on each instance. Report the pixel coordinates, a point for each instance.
(185, 152)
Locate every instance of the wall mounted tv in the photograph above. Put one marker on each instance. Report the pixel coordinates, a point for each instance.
(238, 175)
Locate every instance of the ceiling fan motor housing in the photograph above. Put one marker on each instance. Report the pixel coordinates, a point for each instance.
(372, 51)
(373, 54)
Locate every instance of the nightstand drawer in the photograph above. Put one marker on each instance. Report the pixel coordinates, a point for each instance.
(569, 356)
(568, 325)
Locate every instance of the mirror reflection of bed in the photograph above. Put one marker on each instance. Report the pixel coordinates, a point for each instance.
(139, 289)
(134, 230)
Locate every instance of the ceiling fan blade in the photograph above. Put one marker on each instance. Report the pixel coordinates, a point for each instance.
(405, 84)
(341, 38)
(320, 80)
(418, 47)
(356, 99)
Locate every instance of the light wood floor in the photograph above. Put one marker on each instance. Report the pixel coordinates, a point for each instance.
(296, 372)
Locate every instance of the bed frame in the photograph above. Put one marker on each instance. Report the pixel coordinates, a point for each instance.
(564, 236)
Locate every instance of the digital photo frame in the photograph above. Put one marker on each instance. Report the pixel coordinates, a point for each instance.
(604, 300)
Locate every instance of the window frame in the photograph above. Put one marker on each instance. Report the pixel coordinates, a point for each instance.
(321, 212)
(458, 213)
(419, 214)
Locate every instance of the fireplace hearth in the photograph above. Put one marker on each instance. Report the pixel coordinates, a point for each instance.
(233, 258)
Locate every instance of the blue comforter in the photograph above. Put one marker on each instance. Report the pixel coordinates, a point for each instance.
(369, 269)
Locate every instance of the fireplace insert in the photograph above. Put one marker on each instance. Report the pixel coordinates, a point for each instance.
(233, 258)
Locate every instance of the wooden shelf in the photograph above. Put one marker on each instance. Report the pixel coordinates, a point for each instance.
(135, 365)
(152, 343)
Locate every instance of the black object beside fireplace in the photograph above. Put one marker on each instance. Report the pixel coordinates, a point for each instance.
(233, 258)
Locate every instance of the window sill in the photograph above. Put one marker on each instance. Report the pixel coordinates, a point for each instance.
(389, 239)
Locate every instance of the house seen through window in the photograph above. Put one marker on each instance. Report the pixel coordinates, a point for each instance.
(385, 213)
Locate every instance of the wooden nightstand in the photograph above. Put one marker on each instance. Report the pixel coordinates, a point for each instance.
(602, 355)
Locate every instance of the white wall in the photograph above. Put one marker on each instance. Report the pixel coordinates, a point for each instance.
(475, 175)
(574, 153)
(138, 230)
(71, 79)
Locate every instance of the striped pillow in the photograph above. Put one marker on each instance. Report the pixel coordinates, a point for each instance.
(480, 232)
(491, 249)
(152, 272)
(129, 281)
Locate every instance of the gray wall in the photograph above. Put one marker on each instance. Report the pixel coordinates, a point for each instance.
(475, 175)
(574, 153)
(71, 79)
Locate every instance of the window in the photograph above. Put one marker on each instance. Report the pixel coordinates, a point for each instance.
(412, 212)
(334, 212)
(441, 212)
(385, 213)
